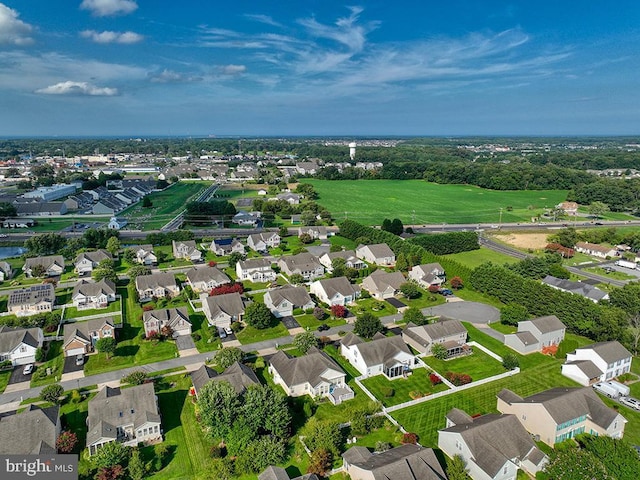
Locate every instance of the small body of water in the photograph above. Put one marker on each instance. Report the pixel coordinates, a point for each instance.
(6, 252)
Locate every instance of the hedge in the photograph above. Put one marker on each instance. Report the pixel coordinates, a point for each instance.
(446, 243)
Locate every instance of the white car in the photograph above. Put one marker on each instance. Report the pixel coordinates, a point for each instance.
(630, 402)
(28, 369)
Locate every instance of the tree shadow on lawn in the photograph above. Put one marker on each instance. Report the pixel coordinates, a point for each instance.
(171, 404)
(76, 421)
(127, 351)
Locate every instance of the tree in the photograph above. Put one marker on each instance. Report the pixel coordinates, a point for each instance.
(137, 377)
(296, 279)
(44, 244)
(136, 271)
(110, 473)
(401, 262)
(304, 341)
(457, 468)
(283, 231)
(598, 209)
(7, 210)
(439, 351)
(228, 356)
(571, 463)
(110, 454)
(261, 453)
(367, 325)
(319, 313)
(113, 246)
(106, 345)
(258, 315)
(147, 203)
(338, 311)
(567, 237)
(105, 270)
(320, 462)
(510, 361)
(396, 226)
(52, 393)
(323, 434)
(413, 315)
(137, 468)
(456, 283)
(234, 258)
(386, 225)
(306, 238)
(66, 441)
(219, 405)
(410, 290)
(38, 270)
(512, 314)
(308, 218)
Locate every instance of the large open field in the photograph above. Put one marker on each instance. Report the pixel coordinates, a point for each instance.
(419, 202)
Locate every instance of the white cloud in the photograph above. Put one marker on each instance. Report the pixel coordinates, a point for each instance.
(78, 88)
(106, 8)
(171, 76)
(112, 37)
(266, 19)
(233, 69)
(13, 31)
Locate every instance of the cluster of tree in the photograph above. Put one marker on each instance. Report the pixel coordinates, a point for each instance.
(7, 210)
(539, 267)
(258, 315)
(254, 425)
(44, 244)
(308, 210)
(167, 238)
(580, 315)
(198, 213)
(47, 320)
(446, 243)
(394, 226)
(105, 270)
(619, 195)
(367, 325)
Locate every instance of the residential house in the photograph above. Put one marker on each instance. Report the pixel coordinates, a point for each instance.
(88, 295)
(569, 208)
(81, 337)
(238, 375)
(381, 284)
(598, 362)
(447, 332)
(156, 285)
(18, 223)
(307, 168)
(247, 218)
(226, 246)
(536, 335)
(20, 344)
(116, 223)
(52, 265)
(284, 300)
(260, 242)
(315, 232)
(279, 473)
(85, 262)
(379, 253)
(255, 270)
(145, 255)
(290, 198)
(349, 256)
(315, 374)
(6, 271)
(187, 250)
(559, 414)
(31, 300)
(492, 446)
(130, 416)
(335, 291)
(204, 279)
(577, 288)
(596, 250)
(222, 310)
(31, 432)
(387, 355)
(303, 264)
(428, 274)
(176, 319)
(406, 462)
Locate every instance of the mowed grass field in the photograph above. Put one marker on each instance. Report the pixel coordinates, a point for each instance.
(420, 202)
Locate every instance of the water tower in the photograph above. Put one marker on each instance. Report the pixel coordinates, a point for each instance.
(352, 150)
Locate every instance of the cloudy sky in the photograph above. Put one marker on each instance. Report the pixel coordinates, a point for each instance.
(318, 67)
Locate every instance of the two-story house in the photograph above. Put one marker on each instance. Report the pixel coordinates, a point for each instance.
(20, 344)
(50, 266)
(156, 285)
(282, 301)
(226, 246)
(349, 257)
(428, 274)
(379, 254)
(447, 332)
(598, 362)
(303, 264)
(93, 294)
(6, 271)
(176, 319)
(85, 262)
(261, 242)
(315, 232)
(130, 416)
(222, 310)
(238, 375)
(32, 300)
(187, 250)
(381, 284)
(255, 270)
(204, 279)
(389, 356)
(559, 414)
(536, 335)
(81, 337)
(335, 291)
(145, 255)
(31, 432)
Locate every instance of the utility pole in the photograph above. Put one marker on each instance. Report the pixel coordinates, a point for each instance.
(500, 222)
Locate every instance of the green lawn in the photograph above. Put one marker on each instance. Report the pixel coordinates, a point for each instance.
(478, 365)
(4, 379)
(54, 361)
(417, 382)
(425, 300)
(503, 328)
(420, 202)
(309, 321)
(73, 312)
(200, 326)
(342, 242)
(166, 205)
(474, 258)
(614, 274)
(379, 308)
(473, 296)
(251, 334)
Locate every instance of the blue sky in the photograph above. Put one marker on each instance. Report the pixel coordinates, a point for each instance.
(318, 67)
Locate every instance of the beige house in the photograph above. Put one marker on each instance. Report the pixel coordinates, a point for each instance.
(204, 279)
(315, 232)
(379, 253)
(89, 295)
(156, 285)
(145, 255)
(187, 250)
(222, 310)
(177, 319)
(81, 337)
(335, 291)
(556, 415)
(349, 257)
(31, 300)
(596, 250)
(303, 264)
(447, 332)
(428, 274)
(52, 265)
(381, 284)
(406, 462)
(261, 242)
(85, 262)
(283, 300)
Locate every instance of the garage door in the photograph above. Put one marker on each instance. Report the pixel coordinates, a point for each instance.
(74, 351)
(25, 360)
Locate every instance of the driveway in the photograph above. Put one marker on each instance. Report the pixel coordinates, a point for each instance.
(70, 365)
(18, 377)
(185, 342)
(290, 322)
(472, 312)
(492, 333)
(394, 302)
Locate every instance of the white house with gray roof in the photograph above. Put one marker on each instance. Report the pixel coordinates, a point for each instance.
(187, 250)
(335, 291)
(261, 242)
(447, 332)
(85, 262)
(536, 334)
(314, 374)
(204, 279)
(389, 356)
(129, 416)
(32, 432)
(255, 270)
(6, 271)
(428, 274)
(32, 300)
(226, 246)
(349, 256)
(156, 285)
(89, 295)
(577, 288)
(303, 264)
(378, 253)
(492, 446)
(559, 414)
(53, 265)
(315, 232)
(406, 462)
(222, 310)
(598, 362)
(145, 255)
(20, 344)
(381, 284)
(282, 301)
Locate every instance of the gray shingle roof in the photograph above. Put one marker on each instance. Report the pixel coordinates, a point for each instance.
(84, 329)
(381, 280)
(609, 351)
(229, 303)
(238, 375)
(155, 280)
(46, 262)
(303, 262)
(32, 432)
(93, 289)
(341, 285)
(527, 338)
(379, 250)
(382, 350)
(548, 324)
(207, 274)
(94, 257)
(577, 288)
(279, 473)
(305, 369)
(168, 316)
(254, 263)
(587, 367)
(440, 329)
(407, 462)
(11, 337)
(297, 296)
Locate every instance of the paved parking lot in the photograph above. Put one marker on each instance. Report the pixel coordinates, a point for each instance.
(70, 365)
(290, 322)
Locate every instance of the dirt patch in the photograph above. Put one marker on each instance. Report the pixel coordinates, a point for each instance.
(534, 241)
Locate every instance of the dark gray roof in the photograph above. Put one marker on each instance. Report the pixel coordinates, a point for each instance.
(440, 329)
(254, 263)
(356, 454)
(32, 295)
(84, 329)
(495, 439)
(113, 407)
(588, 368)
(378, 250)
(609, 351)
(279, 473)
(527, 338)
(307, 368)
(229, 303)
(548, 324)
(169, 316)
(297, 296)
(238, 375)
(351, 339)
(94, 257)
(508, 396)
(155, 280)
(381, 280)
(93, 289)
(341, 285)
(578, 288)
(458, 416)
(11, 337)
(407, 462)
(32, 432)
(46, 262)
(303, 262)
(206, 274)
(382, 350)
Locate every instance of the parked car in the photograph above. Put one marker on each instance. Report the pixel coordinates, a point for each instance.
(228, 331)
(79, 359)
(445, 292)
(630, 402)
(28, 369)
(323, 327)
(222, 333)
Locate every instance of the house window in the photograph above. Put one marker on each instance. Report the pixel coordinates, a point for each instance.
(504, 470)
(23, 348)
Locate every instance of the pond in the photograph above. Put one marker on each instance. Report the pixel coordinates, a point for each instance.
(7, 252)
